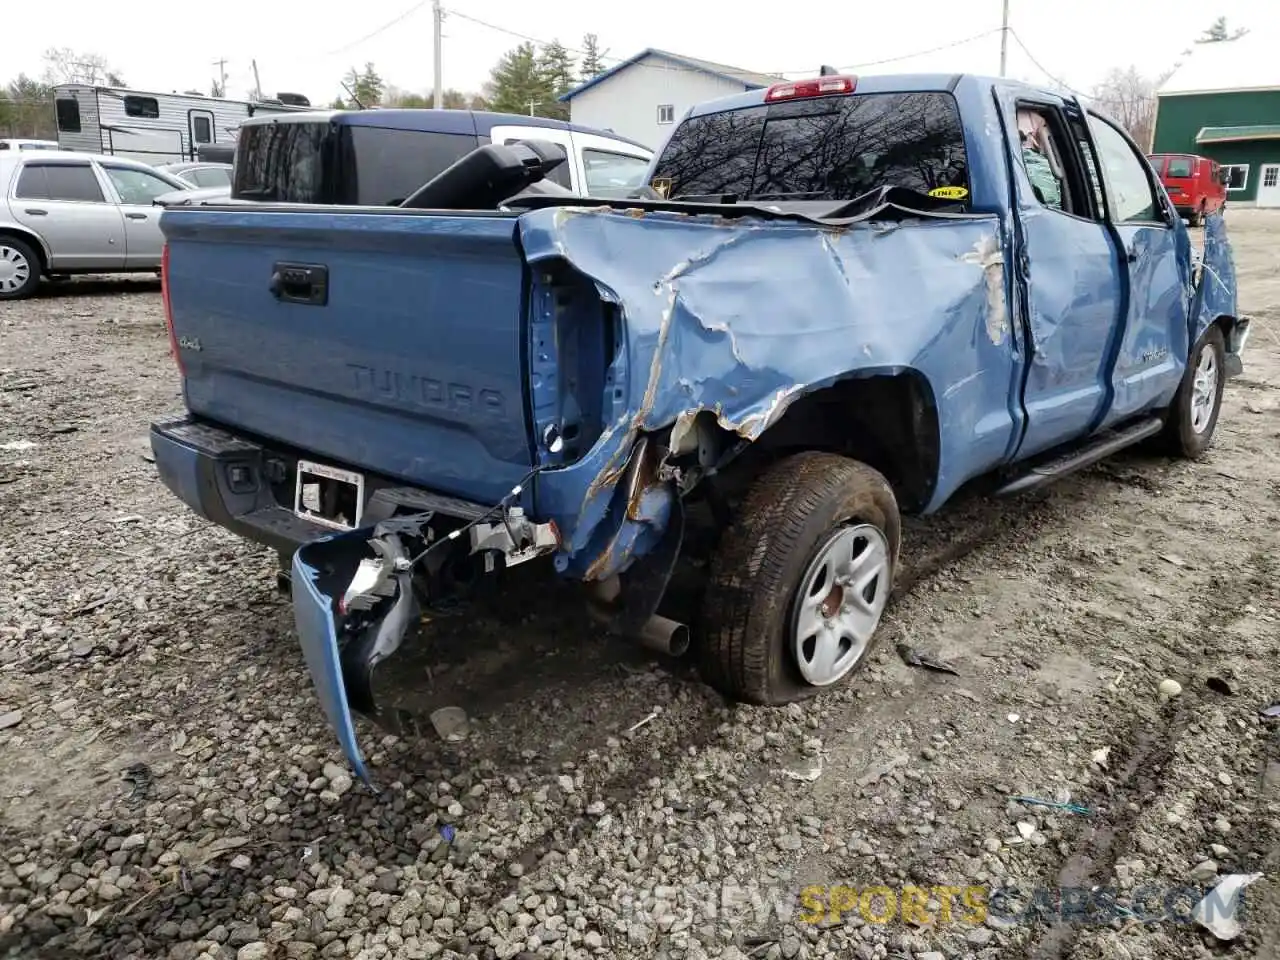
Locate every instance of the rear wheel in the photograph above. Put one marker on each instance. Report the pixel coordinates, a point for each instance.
(19, 269)
(1193, 416)
(1197, 217)
(800, 580)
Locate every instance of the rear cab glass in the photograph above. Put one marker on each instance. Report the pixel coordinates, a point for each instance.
(833, 148)
(321, 162)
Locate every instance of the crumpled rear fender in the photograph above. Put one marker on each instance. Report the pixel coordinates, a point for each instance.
(1214, 298)
(737, 319)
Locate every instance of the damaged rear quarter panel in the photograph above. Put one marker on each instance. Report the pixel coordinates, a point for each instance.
(740, 317)
(1215, 293)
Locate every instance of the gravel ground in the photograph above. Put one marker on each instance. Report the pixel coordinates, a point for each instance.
(169, 788)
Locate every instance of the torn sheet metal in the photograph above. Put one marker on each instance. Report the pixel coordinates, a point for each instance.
(1215, 294)
(738, 318)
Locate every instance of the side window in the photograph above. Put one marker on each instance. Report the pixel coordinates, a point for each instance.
(146, 107)
(137, 186)
(1130, 192)
(614, 175)
(559, 175)
(68, 114)
(72, 181)
(1042, 158)
(32, 184)
(202, 129)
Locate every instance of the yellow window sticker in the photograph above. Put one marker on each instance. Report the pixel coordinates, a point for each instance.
(662, 186)
(949, 193)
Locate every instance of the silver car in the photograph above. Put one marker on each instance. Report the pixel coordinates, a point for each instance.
(64, 213)
(200, 174)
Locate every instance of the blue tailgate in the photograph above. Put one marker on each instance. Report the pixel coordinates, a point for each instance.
(407, 362)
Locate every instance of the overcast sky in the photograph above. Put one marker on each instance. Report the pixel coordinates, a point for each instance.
(306, 48)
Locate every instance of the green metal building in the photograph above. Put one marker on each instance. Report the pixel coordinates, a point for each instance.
(1224, 103)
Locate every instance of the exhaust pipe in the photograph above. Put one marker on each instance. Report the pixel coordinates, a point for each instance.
(664, 636)
(657, 633)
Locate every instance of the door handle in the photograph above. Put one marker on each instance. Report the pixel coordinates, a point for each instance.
(33, 211)
(136, 216)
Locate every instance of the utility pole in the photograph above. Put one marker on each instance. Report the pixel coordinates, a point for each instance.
(222, 76)
(532, 104)
(1004, 39)
(437, 16)
(257, 83)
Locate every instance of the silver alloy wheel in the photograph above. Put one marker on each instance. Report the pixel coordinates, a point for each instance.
(15, 269)
(839, 603)
(1204, 390)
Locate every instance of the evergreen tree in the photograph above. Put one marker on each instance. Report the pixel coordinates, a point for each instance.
(365, 88)
(591, 65)
(1218, 32)
(556, 67)
(517, 85)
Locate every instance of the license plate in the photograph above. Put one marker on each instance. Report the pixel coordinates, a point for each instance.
(329, 496)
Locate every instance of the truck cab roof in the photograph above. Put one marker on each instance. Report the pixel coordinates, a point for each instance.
(478, 122)
(877, 83)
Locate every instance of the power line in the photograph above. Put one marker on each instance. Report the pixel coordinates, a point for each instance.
(918, 53)
(382, 29)
(871, 63)
(1039, 66)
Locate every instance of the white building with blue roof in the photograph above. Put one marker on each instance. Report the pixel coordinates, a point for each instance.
(644, 96)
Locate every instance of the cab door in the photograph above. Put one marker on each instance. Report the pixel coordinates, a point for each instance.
(1156, 259)
(566, 174)
(1068, 274)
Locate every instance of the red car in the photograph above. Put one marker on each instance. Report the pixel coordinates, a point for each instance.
(1197, 185)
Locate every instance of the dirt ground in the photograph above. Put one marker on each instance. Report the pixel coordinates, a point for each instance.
(168, 786)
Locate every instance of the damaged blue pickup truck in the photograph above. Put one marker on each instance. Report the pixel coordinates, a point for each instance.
(836, 301)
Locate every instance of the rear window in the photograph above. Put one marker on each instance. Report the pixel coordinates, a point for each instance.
(828, 148)
(1179, 167)
(324, 163)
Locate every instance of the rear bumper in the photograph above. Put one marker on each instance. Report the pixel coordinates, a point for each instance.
(244, 485)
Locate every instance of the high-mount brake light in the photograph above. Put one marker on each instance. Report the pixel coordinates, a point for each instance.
(168, 309)
(817, 87)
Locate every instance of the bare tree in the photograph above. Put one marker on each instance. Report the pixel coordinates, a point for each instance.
(64, 65)
(1130, 99)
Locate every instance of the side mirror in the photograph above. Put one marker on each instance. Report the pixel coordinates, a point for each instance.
(1185, 221)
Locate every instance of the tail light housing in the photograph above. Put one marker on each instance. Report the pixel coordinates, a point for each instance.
(168, 309)
(816, 87)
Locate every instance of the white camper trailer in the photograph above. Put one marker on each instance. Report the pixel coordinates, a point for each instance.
(152, 127)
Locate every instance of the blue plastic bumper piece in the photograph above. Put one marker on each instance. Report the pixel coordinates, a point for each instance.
(313, 611)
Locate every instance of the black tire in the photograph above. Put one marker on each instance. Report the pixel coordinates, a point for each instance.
(19, 256)
(1181, 436)
(791, 510)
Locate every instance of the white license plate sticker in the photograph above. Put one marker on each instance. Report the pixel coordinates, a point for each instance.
(328, 495)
